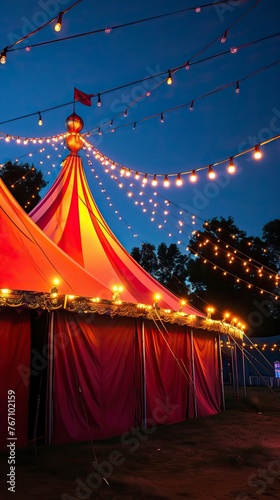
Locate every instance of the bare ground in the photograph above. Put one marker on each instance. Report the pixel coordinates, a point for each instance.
(234, 455)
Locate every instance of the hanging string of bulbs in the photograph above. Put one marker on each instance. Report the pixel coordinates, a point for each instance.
(189, 104)
(57, 28)
(163, 74)
(107, 30)
(238, 279)
(153, 179)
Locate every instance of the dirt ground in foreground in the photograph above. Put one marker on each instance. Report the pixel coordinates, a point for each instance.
(234, 455)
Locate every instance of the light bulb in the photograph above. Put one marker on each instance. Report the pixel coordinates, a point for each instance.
(125, 113)
(98, 100)
(40, 121)
(237, 88)
(161, 118)
(58, 24)
(134, 126)
(166, 181)
(193, 177)
(3, 56)
(224, 37)
(154, 181)
(145, 180)
(179, 181)
(169, 78)
(231, 167)
(187, 65)
(99, 131)
(191, 105)
(211, 173)
(257, 152)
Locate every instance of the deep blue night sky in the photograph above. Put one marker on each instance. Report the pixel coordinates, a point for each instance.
(218, 127)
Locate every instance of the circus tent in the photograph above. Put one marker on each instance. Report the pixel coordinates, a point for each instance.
(113, 358)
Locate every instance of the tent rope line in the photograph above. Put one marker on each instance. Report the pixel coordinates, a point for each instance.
(251, 342)
(260, 375)
(187, 375)
(253, 357)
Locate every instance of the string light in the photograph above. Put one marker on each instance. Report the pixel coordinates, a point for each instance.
(211, 173)
(99, 131)
(145, 180)
(161, 118)
(3, 56)
(125, 113)
(166, 182)
(208, 94)
(200, 168)
(154, 76)
(154, 181)
(257, 152)
(237, 88)
(134, 126)
(179, 181)
(187, 66)
(169, 78)
(193, 176)
(231, 167)
(191, 106)
(58, 24)
(99, 100)
(40, 121)
(224, 37)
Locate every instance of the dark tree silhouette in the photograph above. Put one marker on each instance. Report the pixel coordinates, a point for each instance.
(271, 238)
(166, 264)
(227, 269)
(25, 183)
(233, 271)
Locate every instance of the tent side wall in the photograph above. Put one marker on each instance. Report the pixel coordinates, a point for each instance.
(114, 373)
(110, 374)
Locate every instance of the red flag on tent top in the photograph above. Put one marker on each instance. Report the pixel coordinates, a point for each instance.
(82, 97)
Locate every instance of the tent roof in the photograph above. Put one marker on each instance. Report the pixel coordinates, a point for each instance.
(30, 261)
(69, 216)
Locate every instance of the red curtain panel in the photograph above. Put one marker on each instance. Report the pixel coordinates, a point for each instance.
(14, 373)
(94, 379)
(207, 379)
(168, 373)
